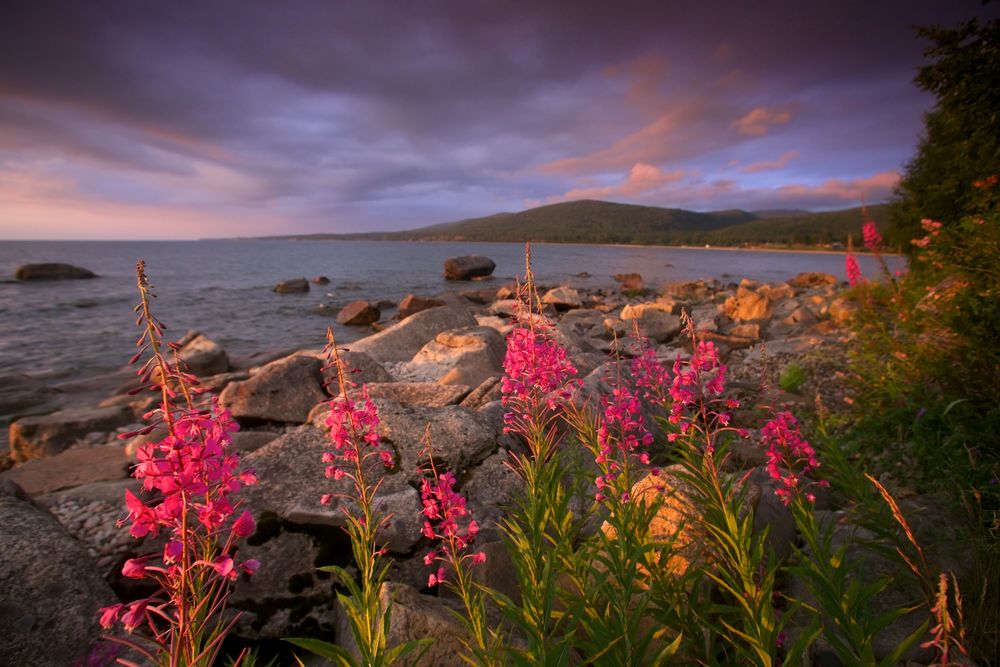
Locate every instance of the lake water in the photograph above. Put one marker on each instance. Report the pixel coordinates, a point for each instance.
(223, 288)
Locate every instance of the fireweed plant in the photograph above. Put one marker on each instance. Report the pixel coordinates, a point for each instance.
(452, 530)
(191, 477)
(540, 528)
(357, 455)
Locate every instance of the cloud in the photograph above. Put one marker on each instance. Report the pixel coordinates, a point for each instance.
(641, 180)
(760, 120)
(772, 165)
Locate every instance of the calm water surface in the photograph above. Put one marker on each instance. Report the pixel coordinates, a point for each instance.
(223, 288)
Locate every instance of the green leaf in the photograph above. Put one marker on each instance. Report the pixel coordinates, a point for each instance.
(323, 649)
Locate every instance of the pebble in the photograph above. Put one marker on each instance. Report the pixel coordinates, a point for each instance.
(96, 526)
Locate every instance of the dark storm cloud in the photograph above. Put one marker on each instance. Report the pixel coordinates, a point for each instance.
(322, 115)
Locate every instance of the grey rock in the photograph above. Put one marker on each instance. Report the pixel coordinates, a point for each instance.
(204, 356)
(283, 391)
(424, 394)
(361, 369)
(74, 467)
(411, 305)
(464, 356)
(403, 340)
(47, 435)
(563, 298)
(468, 267)
(50, 590)
(22, 393)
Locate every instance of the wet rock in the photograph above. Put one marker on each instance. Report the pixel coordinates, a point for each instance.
(283, 391)
(47, 435)
(52, 271)
(293, 286)
(50, 590)
(412, 304)
(748, 306)
(204, 356)
(361, 368)
(73, 467)
(404, 339)
(424, 394)
(809, 279)
(563, 298)
(320, 280)
(468, 267)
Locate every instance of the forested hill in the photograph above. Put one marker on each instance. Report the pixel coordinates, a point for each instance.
(589, 221)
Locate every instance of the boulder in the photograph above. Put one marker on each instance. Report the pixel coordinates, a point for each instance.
(74, 467)
(295, 481)
(23, 393)
(468, 267)
(283, 391)
(50, 591)
(424, 394)
(777, 292)
(460, 356)
(358, 313)
(411, 305)
(489, 490)
(415, 616)
(842, 311)
(404, 339)
(320, 280)
(695, 290)
(52, 271)
(362, 369)
(748, 306)
(563, 298)
(629, 281)
(204, 356)
(293, 286)
(654, 323)
(47, 435)
(750, 331)
(809, 279)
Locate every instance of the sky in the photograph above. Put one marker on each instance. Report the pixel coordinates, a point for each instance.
(179, 120)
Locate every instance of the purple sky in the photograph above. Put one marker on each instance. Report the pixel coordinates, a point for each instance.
(191, 120)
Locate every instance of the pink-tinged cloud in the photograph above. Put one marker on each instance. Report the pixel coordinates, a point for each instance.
(641, 180)
(772, 165)
(760, 120)
(873, 188)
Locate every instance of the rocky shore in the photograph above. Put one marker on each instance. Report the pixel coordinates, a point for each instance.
(440, 365)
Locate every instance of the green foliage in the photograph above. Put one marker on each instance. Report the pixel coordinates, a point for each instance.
(961, 141)
(792, 377)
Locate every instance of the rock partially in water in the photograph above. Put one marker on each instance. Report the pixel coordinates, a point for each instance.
(403, 340)
(358, 313)
(52, 271)
(468, 267)
(412, 304)
(293, 286)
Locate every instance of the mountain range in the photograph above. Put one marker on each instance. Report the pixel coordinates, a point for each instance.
(590, 221)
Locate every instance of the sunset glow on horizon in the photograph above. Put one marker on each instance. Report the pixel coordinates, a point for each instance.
(137, 121)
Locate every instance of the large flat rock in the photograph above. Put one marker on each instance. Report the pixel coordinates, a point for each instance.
(74, 467)
(403, 340)
(47, 435)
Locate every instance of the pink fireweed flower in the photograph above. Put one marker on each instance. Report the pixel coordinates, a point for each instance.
(354, 438)
(649, 374)
(446, 520)
(789, 457)
(621, 433)
(537, 378)
(872, 239)
(854, 276)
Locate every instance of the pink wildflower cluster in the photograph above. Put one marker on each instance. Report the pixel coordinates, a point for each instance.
(854, 276)
(871, 236)
(697, 386)
(447, 520)
(648, 373)
(621, 433)
(536, 374)
(789, 457)
(354, 436)
(194, 476)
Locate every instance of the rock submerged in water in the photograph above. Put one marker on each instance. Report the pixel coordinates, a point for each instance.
(468, 267)
(293, 286)
(53, 271)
